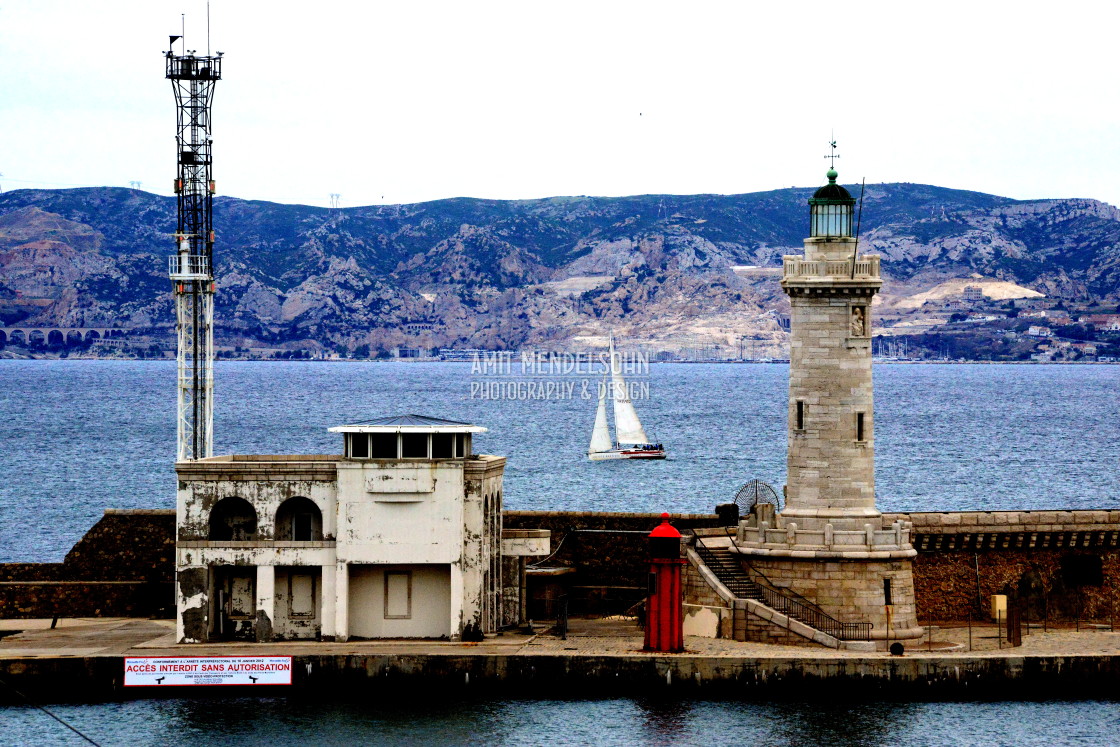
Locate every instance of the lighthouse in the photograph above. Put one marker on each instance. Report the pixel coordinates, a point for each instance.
(829, 544)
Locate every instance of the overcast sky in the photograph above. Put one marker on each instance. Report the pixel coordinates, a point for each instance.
(386, 102)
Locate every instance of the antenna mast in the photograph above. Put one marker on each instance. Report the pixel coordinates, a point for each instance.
(192, 79)
(859, 221)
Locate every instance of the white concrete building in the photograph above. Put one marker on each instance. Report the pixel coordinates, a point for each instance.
(399, 536)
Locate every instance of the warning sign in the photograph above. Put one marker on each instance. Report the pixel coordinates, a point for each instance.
(153, 671)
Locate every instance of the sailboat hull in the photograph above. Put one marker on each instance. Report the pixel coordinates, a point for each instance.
(599, 456)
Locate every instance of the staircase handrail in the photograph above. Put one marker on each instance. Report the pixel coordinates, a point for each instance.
(784, 601)
(745, 560)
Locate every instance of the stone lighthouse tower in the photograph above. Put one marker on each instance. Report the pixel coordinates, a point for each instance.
(829, 544)
(831, 458)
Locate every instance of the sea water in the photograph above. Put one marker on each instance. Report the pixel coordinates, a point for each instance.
(77, 437)
(622, 722)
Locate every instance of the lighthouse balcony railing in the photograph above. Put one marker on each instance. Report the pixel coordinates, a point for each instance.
(894, 537)
(807, 269)
(188, 267)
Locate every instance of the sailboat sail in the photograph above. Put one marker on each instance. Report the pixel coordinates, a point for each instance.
(628, 429)
(601, 436)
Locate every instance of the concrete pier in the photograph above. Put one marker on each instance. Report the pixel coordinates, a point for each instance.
(82, 660)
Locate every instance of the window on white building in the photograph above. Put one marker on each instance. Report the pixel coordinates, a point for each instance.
(414, 445)
(383, 446)
(443, 445)
(301, 590)
(398, 595)
(359, 446)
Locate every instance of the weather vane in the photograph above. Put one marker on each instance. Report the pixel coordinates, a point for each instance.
(832, 156)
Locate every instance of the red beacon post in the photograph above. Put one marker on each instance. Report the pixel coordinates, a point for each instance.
(665, 608)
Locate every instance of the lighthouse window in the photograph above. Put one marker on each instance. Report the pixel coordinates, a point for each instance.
(800, 415)
(831, 220)
(859, 427)
(887, 591)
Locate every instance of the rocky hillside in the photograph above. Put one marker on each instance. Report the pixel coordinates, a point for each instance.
(498, 274)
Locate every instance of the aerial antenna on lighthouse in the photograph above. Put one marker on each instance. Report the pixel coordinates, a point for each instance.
(859, 220)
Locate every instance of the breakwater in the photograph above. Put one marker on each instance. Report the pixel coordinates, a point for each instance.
(911, 677)
(1065, 564)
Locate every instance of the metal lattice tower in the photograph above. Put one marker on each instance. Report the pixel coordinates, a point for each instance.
(193, 78)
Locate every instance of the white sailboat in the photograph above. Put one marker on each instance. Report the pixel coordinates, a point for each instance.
(631, 441)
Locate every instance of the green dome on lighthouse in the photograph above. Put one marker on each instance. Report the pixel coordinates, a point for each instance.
(832, 191)
(830, 209)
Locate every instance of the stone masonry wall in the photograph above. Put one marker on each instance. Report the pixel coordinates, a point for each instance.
(955, 522)
(123, 566)
(850, 591)
(138, 546)
(1063, 564)
(736, 622)
(750, 627)
(831, 373)
(701, 599)
(608, 548)
(952, 585)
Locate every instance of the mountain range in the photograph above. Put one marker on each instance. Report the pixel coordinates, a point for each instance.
(671, 271)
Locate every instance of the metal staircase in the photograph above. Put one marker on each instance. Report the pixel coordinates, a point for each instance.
(731, 569)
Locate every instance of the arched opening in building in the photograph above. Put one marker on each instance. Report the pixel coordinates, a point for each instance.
(93, 334)
(18, 337)
(55, 337)
(298, 519)
(36, 337)
(3, 338)
(74, 337)
(233, 519)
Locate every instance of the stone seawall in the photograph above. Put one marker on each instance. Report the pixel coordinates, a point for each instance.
(123, 566)
(609, 547)
(803, 678)
(607, 552)
(1065, 563)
